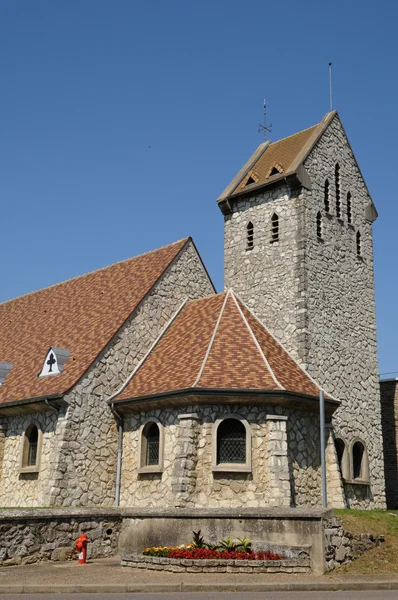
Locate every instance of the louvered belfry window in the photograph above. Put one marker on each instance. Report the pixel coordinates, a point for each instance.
(231, 442)
(152, 444)
(250, 236)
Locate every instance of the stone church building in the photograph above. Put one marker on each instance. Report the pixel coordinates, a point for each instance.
(139, 385)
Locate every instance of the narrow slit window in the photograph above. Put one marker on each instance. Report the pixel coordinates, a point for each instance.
(349, 208)
(359, 244)
(274, 228)
(327, 199)
(319, 226)
(30, 453)
(249, 236)
(337, 185)
(152, 437)
(358, 451)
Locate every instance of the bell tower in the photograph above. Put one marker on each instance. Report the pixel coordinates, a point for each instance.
(298, 250)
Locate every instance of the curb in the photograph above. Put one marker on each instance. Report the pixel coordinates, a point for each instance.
(164, 588)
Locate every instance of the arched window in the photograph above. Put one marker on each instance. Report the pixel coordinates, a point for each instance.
(340, 447)
(326, 197)
(359, 244)
(151, 447)
(249, 236)
(231, 444)
(31, 449)
(337, 186)
(274, 228)
(360, 466)
(319, 226)
(349, 208)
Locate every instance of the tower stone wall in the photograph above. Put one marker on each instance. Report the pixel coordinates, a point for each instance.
(316, 295)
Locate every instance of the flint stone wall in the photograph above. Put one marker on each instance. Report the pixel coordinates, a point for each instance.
(80, 447)
(37, 536)
(285, 460)
(317, 297)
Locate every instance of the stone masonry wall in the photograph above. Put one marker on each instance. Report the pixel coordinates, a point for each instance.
(29, 489)
(285, 460)
(317, 297)
(389, 422)
(268, 276)
(340, 345)
(79, 469)
(30, 538)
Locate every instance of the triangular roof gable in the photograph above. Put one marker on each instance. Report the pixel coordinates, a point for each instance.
(216, 343)
(82, 314)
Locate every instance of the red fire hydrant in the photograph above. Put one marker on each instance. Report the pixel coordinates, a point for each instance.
(81, 547)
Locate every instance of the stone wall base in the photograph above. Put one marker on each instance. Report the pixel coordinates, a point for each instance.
(176, 565)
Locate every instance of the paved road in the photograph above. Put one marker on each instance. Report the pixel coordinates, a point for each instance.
(373, 595)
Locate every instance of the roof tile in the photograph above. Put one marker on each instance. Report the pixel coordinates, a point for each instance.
(81, 315)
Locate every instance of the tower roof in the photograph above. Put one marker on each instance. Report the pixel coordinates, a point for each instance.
(80, 315)
(216, 343)
(272, 162)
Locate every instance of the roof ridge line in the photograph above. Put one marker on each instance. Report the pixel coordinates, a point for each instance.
(297, 133)
(211, 341)
(143, 359)
(119, 262)
(286, 350)
(278, 383)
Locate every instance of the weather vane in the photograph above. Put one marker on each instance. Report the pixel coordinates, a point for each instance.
(264, 127)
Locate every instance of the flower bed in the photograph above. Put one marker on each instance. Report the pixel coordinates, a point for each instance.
(190, 552)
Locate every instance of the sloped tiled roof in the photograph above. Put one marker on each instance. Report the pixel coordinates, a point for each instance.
(280, 154)
(273, 161)
(217, 343)
(81, 315)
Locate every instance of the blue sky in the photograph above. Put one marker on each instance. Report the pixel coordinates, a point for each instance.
(122, 121)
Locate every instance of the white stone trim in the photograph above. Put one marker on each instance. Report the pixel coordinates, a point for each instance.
(211, 341)
(141, 362)
(276, 418)
(256, 343)
(142, 467)
(231, 467)
(285, 349)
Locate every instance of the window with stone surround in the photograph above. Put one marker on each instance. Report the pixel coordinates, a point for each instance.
(337, 187)
(349, 208)
(319, 226)
(151, 447)
(274, 228)
(359, 462)
(31, 449)
(326, 196)
(249, 236)
(342, 458)
(231, 444)
(359, 244)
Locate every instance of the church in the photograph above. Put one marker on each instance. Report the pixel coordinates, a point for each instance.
(138, 385)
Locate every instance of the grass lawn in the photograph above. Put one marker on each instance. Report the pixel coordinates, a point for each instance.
(383, 559)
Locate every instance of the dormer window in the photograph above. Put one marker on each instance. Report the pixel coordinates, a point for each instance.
(276, 169)
(5, 368)
(250, 181)
(54, 362)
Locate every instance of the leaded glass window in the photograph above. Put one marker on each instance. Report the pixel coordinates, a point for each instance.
(231, 442)
(33, 436)
(152, 444)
